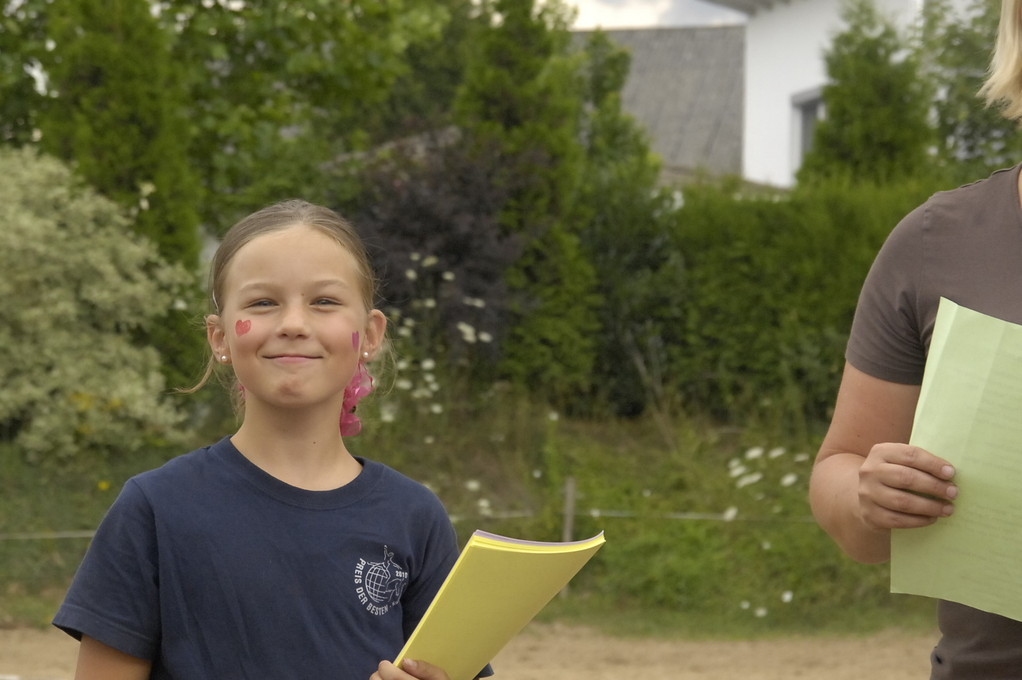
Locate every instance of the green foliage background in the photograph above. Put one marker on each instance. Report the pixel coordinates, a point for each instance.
(674, 351)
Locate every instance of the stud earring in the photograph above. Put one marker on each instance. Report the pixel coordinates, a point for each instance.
(365, 355)
(223, 358)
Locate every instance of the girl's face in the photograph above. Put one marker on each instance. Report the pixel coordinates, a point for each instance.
(292, 322)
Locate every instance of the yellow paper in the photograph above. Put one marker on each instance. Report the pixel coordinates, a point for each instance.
(494, 589)
(970, 413)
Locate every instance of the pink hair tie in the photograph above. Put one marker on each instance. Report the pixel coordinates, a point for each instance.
(361, 386)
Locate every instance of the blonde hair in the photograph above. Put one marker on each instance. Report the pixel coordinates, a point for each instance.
(1003, 86)
(278, 217)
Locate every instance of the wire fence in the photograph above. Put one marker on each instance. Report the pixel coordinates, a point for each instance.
(571, 511)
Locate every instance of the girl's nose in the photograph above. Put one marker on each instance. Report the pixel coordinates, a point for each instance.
(293, 320)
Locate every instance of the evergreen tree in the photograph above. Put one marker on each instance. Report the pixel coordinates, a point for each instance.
(522, 92)
(877, 104)
(627, 222)
(114, 110)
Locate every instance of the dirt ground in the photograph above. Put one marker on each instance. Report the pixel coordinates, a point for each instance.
(545, 651)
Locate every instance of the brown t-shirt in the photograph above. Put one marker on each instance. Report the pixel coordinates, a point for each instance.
(965, 245)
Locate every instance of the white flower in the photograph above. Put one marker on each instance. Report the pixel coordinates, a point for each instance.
(436, 409)
(749, 479)
(468, 333)
(744, 604)
(472, 485)
(430, 260)
(414, 257)
(776, 452)
(801, 458)
(738, 470)
(429, 303)
(447, 276)
(428, 439)
(403, 384)
(485, 337)
(427, 364)
(760, 612)
(404, 332)
(553, 416)
(411, 274)
(766, 545)
(754, 452)
(787, 596)
(537, 473)
(789, 479)
(730, 514)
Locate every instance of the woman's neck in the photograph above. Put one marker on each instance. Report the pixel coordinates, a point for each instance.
(303, 452)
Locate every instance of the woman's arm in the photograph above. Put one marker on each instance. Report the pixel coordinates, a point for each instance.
(97, 661)
(867, 479)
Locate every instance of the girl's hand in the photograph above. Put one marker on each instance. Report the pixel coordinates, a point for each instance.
(410, 670)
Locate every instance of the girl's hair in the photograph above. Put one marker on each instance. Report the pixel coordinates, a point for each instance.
(278, 217)
(1003, 86)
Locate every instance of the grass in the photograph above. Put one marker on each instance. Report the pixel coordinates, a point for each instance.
(671, 566)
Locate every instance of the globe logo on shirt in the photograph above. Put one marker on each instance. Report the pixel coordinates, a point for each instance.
(379, 585)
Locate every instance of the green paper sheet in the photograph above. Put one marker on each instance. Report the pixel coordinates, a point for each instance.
(970, 412)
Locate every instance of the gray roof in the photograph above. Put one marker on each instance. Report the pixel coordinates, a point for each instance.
(747, 6)
(686, 88)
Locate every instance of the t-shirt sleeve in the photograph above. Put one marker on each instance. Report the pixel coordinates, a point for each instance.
(439, 552)
(114, 597)
(885, 337)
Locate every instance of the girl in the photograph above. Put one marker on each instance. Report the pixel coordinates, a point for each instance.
(274, 553)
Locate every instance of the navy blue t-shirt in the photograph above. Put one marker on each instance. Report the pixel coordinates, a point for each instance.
(213, 569)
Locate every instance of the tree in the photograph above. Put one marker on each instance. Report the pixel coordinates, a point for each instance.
(94, 86)
(79, 286)
(278, 90)
(429, 210)
(877, 104)
(115, 109)
(627, 221)
(522, 93)
(972, 139)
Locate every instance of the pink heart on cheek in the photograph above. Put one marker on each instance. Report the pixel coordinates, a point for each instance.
(243, 327)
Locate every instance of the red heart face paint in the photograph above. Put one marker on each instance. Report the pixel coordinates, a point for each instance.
(243, 327)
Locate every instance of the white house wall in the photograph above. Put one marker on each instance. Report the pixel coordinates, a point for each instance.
(784, 57)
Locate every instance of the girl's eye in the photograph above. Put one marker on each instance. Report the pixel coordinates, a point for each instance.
(326, 301)
(261, 303)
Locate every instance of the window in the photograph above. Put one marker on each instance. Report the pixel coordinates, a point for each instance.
(808, 110)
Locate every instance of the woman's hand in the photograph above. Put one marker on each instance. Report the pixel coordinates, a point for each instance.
(903, 487)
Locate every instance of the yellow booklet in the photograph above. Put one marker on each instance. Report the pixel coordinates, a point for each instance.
(494, 589)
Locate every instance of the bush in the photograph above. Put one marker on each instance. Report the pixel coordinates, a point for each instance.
(79, 287)
(772, 283)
